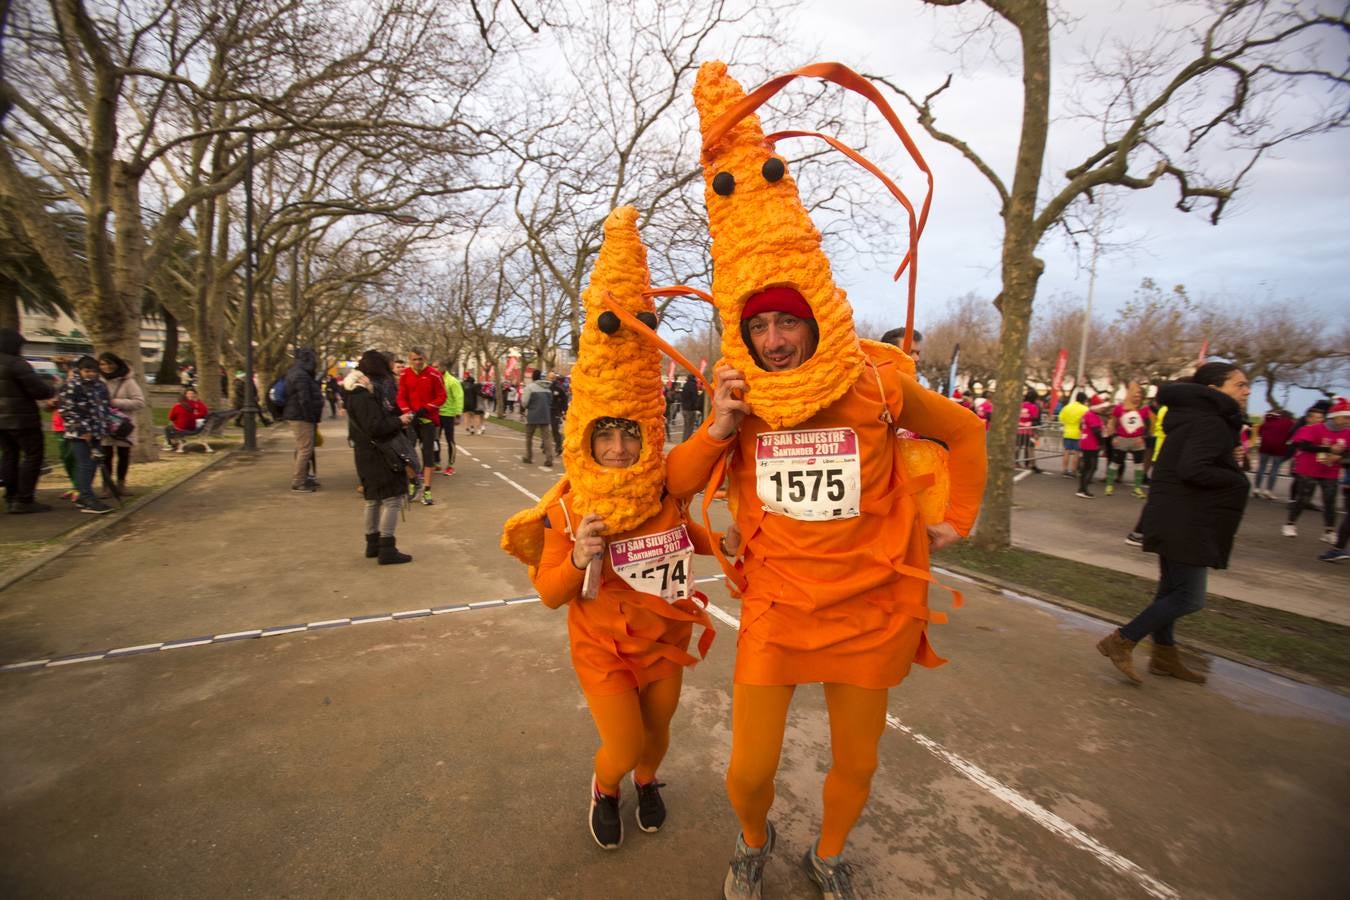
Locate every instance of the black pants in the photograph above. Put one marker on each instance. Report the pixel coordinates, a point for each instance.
(1087, 468)
(20, 462)
(123, 462)
(1181, 591)
(448, 429)
(1304, 488)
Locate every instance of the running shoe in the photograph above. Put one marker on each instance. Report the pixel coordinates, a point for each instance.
(95, 508)
(426, 497)
(1335, 554)
(449, 470)
(1110, 489)
(1139, 492)
(1289, 530)
(1328, 535)
(833, 876)
(1135, 539)
(413, 488)
(1086, 495)
(606, 826)
(746, 874)
(651, 809)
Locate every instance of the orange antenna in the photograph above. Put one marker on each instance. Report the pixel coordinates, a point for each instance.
(847, 78)
(679, 290)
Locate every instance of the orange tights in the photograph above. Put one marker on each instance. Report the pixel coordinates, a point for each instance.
(634, 731)
(758, 718)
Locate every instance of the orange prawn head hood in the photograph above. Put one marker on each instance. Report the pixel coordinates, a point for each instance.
(617, 375)
(762, 238)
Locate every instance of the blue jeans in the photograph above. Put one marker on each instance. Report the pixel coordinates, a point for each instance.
(84, 469)
(1274, 463)
(1181, 591)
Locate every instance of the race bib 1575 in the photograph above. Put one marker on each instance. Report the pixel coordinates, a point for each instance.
(810, 474)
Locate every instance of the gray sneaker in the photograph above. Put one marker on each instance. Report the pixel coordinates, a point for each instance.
(833, 876)
(747, 868)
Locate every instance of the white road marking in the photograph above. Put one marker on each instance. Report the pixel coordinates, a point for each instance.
(1026, 806)
(1020, 475)
(516, 486)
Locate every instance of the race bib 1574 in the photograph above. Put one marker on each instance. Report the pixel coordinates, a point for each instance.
(657, 564)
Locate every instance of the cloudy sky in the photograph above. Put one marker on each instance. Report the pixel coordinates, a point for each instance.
(1284, 237)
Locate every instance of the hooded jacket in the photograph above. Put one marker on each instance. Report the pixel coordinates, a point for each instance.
(1197, 493)
(20, 386)
(125, 396)
(304, 396)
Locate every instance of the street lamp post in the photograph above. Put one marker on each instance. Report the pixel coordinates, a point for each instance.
(250, 411)
(1087, 312)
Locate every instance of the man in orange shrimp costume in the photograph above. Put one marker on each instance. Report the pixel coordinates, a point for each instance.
(833, 553)
(630, 640)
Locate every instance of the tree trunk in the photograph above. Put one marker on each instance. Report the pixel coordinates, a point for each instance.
(9, 303)
(1021, 269)
(168, 364)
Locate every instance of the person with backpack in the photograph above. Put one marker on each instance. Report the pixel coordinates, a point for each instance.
(372, 418)
(302, 406)
(85, 410)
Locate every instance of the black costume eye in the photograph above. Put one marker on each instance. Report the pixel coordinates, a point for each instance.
(608, 322)
(773, 169)
(724, 183)
(648, 319)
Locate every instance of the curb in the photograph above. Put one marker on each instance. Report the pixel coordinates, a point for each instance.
(81, 533)
(1006, 588)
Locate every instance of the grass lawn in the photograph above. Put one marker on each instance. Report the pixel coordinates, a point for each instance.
(1282, 639)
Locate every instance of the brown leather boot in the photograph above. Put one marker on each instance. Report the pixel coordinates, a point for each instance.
(1167, 661)
(1120, 652)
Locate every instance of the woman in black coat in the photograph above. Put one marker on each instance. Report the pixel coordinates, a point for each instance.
(371, 418)
(1195, 503)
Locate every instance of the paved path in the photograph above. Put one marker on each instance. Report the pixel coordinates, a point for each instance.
(448, 754)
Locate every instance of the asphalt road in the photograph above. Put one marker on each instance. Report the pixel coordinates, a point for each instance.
(448, 754)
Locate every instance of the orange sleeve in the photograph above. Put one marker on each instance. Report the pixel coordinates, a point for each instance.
(555, 578)
(933, 415)
(689, 464)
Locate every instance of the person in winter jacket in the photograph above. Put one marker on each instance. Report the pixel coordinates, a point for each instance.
(1276, 429)
(85, 410)
(20, 426)
(1195, 503)
(370, 418)
(303, 408)
(187, 416)
(473, 404)
(127, 398)
(421, 392)
(537, 404)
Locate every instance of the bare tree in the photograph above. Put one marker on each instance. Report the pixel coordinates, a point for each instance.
(1196, 107)
(971, 322)
(1278, 343)
(98, 100)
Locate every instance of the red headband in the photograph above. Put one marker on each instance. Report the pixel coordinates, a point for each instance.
(777, 299)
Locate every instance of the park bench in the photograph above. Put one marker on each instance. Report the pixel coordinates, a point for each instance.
(210, 427)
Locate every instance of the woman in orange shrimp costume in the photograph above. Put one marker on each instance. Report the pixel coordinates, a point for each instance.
(630, 637)
(833, 550)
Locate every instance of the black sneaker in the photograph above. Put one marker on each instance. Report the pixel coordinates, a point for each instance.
(1135, 539)
(1086, 495)
(651, 809)
(23, 507)
(95, 508)
(606, 826)
(302, 489)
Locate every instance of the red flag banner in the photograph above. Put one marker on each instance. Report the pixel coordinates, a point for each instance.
(512, 368)
(1204, 353)
(702, 364)
(670, 375)
(1057, 382)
